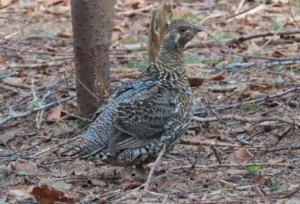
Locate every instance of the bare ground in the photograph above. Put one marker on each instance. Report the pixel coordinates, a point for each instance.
(242, 146)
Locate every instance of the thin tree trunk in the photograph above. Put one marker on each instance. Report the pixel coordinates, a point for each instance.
(91, 47)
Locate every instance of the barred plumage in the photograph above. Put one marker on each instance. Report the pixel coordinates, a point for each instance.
(146, 113)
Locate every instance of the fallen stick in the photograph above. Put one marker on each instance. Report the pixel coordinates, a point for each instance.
(34, 66)
(13, 115)
(292, 121)
(161, 154)
(258, 100)
(240, 39)
(235, 165)
(245, 65)
(8, 75)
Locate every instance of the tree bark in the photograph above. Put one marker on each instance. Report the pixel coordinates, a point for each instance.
(91, 49)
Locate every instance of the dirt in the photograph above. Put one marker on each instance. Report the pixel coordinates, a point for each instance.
(242, 145)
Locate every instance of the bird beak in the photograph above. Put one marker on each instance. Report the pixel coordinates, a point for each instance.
(198, 28)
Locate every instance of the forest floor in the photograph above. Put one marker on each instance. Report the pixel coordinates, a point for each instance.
(243, 145)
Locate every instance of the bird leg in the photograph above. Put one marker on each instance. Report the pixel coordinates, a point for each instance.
(141, 173)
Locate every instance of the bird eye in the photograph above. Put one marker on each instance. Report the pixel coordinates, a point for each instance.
(182, 30)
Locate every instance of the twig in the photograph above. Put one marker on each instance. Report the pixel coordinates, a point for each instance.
(75, 137)
(290, 121)
(34, 66)
(13, 115)
(148, 182)
(161, 154)
(8, 75)
(245, 65)
(235, 165)
(251, 10)
(136, 11)
(293, 192)
(239, 7)
(293, 14)
(258, 100)
(240, 39)
(215, 143)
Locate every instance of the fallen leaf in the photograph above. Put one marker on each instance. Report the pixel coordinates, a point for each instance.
(132, 75)
(252, 48)
(27, 168)
(97, 182)
(65, 34)
(59, 185)
(261, 179)
(19, 194)
(13, 81)
(217, 77)
(240, 154)
(4, 138)
(257, 190)
(195, 81)
(54, 113)
(46, 194)
(222, 89)
(4, 3)
(197, 138)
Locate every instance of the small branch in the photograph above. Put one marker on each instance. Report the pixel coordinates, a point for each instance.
(161, 154)
(213, 43)
(258, 100)
(235, 165)
(8, 75)
(34, 66)
(290, 121)
(136, 11)
(293, 192)
(74, 137)
(245, 65)
(13, 115)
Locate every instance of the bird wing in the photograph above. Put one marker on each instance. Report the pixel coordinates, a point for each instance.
(144, 118)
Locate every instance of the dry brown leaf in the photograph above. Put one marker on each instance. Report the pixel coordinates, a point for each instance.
(132, 75)
(197, 138)
(13, 81)
(2, 61)
(97, 182)
(240, 154)
(261, 179)
(28, 167)
(196, 81)
(59, 185)
(46, 194)
(4, 138)
(19, 194)
(222, 88)
(54, 113)
(217, 77)
(252, 48)
(257, 190)
(65, 34)
(4, 3)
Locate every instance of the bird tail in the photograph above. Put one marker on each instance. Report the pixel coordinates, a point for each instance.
(87, 146)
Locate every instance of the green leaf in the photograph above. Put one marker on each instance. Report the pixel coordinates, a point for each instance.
(191, 59)
(253, 169)
(141, 65)
(210, 62)
(275, 188)
(22, 173)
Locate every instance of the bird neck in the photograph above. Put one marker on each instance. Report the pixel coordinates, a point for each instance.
(169, 64)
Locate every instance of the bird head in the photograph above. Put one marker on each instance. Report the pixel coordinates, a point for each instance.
(179, 32)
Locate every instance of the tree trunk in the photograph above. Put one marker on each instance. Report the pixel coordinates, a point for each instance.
(91, 48)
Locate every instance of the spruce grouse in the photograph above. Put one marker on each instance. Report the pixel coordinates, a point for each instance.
(145, 114)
